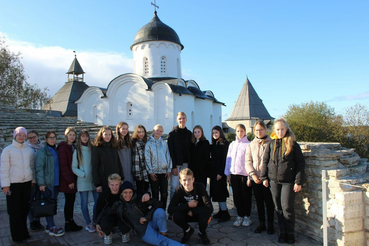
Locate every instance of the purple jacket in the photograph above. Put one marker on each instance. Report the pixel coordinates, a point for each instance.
(235, 163)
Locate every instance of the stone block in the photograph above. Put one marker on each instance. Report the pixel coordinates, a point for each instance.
(321, 163)
(349, 225)
(366, 223)
(350, 160)
(335, 173)
(347, 212)
(366, 197)
(350, 198)
(350, 238)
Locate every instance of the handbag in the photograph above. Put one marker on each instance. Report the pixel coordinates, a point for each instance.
(43, 205)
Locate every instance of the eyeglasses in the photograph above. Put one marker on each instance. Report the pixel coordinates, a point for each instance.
(52, 138)
(32, 137)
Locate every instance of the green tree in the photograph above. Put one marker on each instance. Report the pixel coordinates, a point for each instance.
(313, 122)
(230, 136)
(15, 91)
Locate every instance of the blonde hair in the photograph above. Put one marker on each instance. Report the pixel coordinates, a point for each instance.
(186, 172)
(67, 131)
(180, 113)
(114, 177)
(202, 138)
(156, 127)
(288, 139)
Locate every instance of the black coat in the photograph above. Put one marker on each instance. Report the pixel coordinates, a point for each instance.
(200, 160)
(179, 146)
(105, 161)
(104, 203)
(285, 169)
(218, 188)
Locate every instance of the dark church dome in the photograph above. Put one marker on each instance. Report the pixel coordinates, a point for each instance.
(156, 30)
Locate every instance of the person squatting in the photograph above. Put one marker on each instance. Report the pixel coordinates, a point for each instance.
(128, 178)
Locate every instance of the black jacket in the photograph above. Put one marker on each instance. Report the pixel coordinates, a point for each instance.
(284, 169)
(104, 203)
(200, 159)
(179, 203)
(105, 161)
(176, 147)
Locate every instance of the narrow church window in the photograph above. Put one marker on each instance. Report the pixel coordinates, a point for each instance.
(129, 110)
(146, 65)
(163, 65)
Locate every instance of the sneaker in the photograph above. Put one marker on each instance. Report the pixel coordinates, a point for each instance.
(108, 239)
(90, 227)
(204, 238)
(56, 231)
(246, 221)
(126, 238)
(238, 221)
(36, 226)
(187, 235)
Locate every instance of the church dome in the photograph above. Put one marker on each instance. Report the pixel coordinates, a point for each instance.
(156, 30)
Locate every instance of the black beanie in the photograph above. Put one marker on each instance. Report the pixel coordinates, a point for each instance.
(127, 185)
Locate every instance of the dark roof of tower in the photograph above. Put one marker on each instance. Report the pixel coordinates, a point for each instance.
(75, 68)
(249, 105)
(156, 30)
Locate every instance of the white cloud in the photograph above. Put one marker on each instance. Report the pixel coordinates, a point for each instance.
(364, 95)
(47, 66)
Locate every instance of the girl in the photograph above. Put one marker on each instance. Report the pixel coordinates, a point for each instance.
(47, 176)
(254, 157)
(17, 173)
(82, 167)
(138, 159)
(218, 180)
(105, 158)
(158, 164)
(237, 176)
(200, 155)
(283, 164)
(124, 150)
(67, 182)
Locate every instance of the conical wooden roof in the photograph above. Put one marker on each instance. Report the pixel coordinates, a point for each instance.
(75, 68)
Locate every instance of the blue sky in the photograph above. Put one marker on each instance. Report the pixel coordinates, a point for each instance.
(291, 51)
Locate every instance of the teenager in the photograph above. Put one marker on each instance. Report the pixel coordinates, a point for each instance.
(105, 158)
(125, 149)
(47, 177)
(82, 167)
(144, 215)
(254, 157)
(200, 155)
(238, 178)
(140, 174)
(283, 164)
(35, 143)
(158, 164)
(218, 180)
(67, 181)
(17, 174)
(191, 203)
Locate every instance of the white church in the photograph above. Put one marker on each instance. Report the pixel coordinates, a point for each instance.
(155, 92)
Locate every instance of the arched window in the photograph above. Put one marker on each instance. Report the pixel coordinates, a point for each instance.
(146, 65)
(129, 110)
(163, 65)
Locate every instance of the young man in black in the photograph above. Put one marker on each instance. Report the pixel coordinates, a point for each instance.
(191, 203)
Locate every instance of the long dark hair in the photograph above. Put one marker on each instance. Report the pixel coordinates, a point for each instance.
(135, 135)
(221, 137)
(126, 140)
(79, 146)
(99, 138)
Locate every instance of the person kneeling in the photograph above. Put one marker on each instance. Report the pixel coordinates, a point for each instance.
(191, 203)
(145, 216)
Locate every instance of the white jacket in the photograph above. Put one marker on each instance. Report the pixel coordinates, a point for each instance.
(17, 164)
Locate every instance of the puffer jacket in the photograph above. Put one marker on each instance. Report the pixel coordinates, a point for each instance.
(45, 168)
(283, 168)
(254, 155)
(235, 162)
(17, 164)
(157, 156)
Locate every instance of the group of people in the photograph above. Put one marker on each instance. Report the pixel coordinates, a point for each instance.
(119, 170)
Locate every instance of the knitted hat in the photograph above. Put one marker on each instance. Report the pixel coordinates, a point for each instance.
(19, 130)
(127, 185)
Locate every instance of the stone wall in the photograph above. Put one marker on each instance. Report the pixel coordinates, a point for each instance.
(347, 195)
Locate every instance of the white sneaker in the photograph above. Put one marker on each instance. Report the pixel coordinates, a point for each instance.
(238, 221)
(126, 238)
(90, 227)
(246, 221)
(108, 239)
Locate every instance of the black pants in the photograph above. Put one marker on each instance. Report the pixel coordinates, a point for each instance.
(263, 196)
(18, 206)
(242, 195)
(181, 218)
(160, 185)
(108, 222)
(142, 186)
(284, 199)
(69, 205)
(201, 179)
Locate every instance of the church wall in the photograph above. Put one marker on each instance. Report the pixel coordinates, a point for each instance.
(92, 108)
(217, 114)
(186, 104)
(162, 110)
(204, 108)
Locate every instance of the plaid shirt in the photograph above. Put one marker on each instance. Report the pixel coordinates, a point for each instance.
(138, 161)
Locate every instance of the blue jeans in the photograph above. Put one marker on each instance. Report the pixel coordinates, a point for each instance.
(34, 193)
(156, 225)
(84, 205)
(55, 193)
(174, 180)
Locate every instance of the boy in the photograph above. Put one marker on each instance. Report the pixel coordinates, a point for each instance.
(191, 203)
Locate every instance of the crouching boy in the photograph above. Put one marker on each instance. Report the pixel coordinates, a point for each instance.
(191, 203)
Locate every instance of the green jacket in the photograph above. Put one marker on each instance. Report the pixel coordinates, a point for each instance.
(45, 167)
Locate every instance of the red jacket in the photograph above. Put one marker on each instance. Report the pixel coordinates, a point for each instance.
(65, 163)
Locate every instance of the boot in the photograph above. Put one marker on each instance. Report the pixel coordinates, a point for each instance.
(72, 226)
(270, 230)
(217, 215)
(224, 216)
(290, 238)
(282, 238)
(261, 227)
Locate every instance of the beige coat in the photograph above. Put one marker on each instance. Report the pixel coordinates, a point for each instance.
(254, 156)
